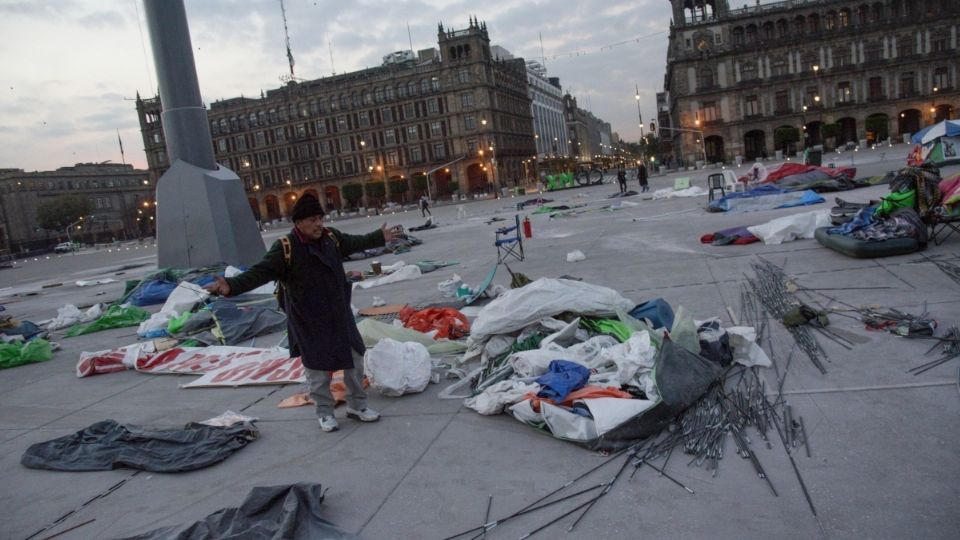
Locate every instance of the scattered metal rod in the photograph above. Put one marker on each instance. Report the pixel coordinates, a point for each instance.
(602, 493)
(487, 526)
(806, 442)
(65, 531)
(667, 476)
(486, 516)
(588, 504)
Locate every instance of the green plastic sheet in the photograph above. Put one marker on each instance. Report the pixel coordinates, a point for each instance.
(176, 323)
(114, 317)
(18, 354)
(895, 200)
(610, 327)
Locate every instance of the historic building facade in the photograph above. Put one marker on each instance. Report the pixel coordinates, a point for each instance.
(781, 76)
(546, 99)
(587, 135)
(456, 118)
(121, 202)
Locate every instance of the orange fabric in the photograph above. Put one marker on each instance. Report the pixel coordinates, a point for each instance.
(337, 387)
(448, 322)
(586, 392)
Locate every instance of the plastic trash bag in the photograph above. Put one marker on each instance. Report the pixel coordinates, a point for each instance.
(497, 396)
(404, 273)
(684, 331)
(396, 368)
(69, 315)
(448, 287)
(575, 255)
(372, 331)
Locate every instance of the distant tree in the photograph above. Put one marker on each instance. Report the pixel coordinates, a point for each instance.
(374, 189)
(830, 130)
(785, 135)
(61, 211)
(398, 187)
(352, 193)
(420, 183)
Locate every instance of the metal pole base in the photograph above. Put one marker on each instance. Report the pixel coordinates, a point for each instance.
(203, 218)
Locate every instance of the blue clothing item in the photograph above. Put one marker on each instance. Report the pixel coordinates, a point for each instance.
(861, 219)
(561, 378)
(765, 197)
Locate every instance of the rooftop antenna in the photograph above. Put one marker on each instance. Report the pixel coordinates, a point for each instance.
(409, 37)
(333, 68)
(543, 57)
(286, 35)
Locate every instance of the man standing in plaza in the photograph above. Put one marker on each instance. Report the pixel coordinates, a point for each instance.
(308, 264)
(642, 177)
(425, 206)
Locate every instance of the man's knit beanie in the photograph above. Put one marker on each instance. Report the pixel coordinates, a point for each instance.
(307, 206)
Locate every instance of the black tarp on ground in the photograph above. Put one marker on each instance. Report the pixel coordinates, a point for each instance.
(682, 378)
(109, 445)
(277, 512)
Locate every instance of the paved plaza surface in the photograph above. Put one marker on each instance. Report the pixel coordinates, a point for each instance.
(885, 460)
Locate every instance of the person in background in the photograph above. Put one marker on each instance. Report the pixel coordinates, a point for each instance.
(642, 177)
(622, 180)
(316, 298)
(425, 206)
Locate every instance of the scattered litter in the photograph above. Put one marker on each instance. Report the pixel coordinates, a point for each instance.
(448, 287)
(396, 368)
(789, 228)
(88, 283)
(376, 311)
(69, 315)
(430, 265)
(575, 255)
(403, 273)
(373, 331)
(338, 389)
(377, 302)
(670, 193)
(228, 419)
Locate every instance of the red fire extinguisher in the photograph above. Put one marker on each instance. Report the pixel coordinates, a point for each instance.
(527, 228)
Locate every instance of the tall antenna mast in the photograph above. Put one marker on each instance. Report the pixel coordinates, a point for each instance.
(409, 37)
(333, 68)
(286, 34)
(543, 57)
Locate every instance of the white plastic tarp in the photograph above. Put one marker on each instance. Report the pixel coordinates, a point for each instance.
(535, 362)
(497, 396)
(743, 340)
(69, 315)
(372, 331)
(789, 228)
(396, 368)
(404, 273)
(544, 297)
(266, 288)
(670, 193)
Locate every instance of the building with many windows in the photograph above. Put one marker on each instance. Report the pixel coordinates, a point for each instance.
(442, 120)
(546, 99)
(121, 202)
(784, 75)
(587, 135)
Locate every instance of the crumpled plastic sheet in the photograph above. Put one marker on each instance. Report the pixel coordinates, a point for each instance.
(743, 340)
(544, 297)
(670, 193)
(445, 322)
(396, 368)
(69, 315)
(18, 354)
(789, 228)
(228, 418)
(535, 362)
(496, 397)
(634, 359)
(404, 273)
(448, 287)
(291, 512)
(607, 413)
(114, 317)
(372, 331)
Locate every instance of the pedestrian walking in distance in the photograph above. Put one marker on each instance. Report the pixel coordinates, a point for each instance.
(642, 177)
(425, 206)
(314, 292)
(622, 180)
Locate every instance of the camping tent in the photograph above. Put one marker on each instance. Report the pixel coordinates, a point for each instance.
(940, 143)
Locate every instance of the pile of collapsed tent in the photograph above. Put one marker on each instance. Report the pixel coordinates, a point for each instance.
(587, 365)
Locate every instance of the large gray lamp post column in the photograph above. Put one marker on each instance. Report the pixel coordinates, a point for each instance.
(203, 216)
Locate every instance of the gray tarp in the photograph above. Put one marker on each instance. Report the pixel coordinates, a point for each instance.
(109, 445)
(289, 512)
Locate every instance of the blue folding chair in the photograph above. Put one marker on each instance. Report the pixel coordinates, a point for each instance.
(509, 241)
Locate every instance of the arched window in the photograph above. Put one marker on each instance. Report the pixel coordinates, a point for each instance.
(800, 25)
(388, 93)
(768, 31)
(843, 20)
(344, 101)
(863, 15)
(378, 94)
(782, 28)
(751, 33)
(830, 21)
(367, 97)
(401, 91)
(252, 119)
(334, 103)
(356, 99)
(748, 72)
(425, 86)
(813, 22)
(412, 88)
(261, 118)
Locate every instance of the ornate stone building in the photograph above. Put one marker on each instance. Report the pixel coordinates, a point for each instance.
(121, 204)
(457, 117)
(783, 75)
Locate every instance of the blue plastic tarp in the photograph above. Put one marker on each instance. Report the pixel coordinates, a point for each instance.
(764, 198)
(151, 292)
(657, 311)
(561, 378)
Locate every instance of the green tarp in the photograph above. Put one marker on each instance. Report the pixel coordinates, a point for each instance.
(114, 317)
(18, 354)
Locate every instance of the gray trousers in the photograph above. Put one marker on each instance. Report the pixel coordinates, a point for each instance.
(319, 383)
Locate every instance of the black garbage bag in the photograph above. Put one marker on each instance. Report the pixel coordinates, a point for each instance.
(109, 445)
(275, 512)
(682, 377)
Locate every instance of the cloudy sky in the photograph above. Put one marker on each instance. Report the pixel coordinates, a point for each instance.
(71, 68)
